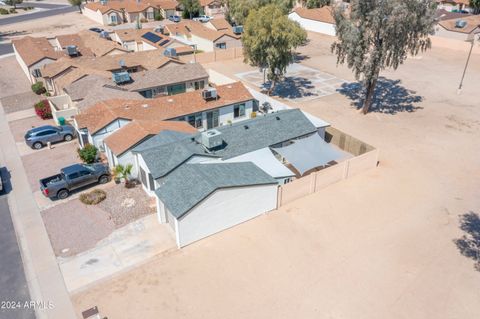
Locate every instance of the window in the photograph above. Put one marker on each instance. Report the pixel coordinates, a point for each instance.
(212, 119)
(143, 177)
(199, 85)
(151, 181)
(239, 110)
(221, 45)
(177, 89)
(195, 120)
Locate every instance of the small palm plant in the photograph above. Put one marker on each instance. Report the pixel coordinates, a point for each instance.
(123, 172)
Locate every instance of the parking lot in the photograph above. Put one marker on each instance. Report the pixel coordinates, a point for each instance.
(301, 83)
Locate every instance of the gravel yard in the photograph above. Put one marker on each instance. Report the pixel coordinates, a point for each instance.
(78, 227)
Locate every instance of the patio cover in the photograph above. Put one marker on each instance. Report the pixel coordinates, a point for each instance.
(310, 152)
(266, 161)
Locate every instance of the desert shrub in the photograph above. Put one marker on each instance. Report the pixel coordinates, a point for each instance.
(143, 20)
(158, 16)
(12, 10)
(3, 11)
(88, 153)
(38, 88)
(43, 110)
(94, 197)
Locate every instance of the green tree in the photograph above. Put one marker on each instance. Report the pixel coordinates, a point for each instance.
(238, 10)
(380, 34)
(475, 5)
(190, 7)
(77, 3)
(315, 3)
(269, 41)
(13, 3)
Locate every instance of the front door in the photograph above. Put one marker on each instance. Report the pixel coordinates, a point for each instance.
(212, 119)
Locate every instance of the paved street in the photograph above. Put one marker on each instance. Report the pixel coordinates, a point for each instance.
(13, 285)
(5, 48)
(53, 9)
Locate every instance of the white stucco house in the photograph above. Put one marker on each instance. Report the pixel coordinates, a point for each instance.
(318, 20)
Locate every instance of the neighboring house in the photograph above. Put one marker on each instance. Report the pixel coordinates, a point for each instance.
(119, 144)
(34, 53)
(219, 24)
(172, 80)
(65, 71)
(233, 103)
(213, 7)
(147, 39)
(113, 12)
(197, 178)
(318, 20)
(99, 45)
(205, 38)
(459, 28)
(455, 5)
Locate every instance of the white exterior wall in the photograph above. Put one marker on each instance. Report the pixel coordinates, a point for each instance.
(98, 137)
(139, 162)
(22, 64)
(202, 44)
(223, 209)
(312, 25)
(229, 42)
(94, 15)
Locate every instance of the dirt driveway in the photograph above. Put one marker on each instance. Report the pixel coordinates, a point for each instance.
(379, 245)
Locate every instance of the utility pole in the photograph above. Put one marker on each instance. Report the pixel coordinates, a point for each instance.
(472, 41)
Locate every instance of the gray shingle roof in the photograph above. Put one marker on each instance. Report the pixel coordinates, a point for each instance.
(191, 183)
(166, 76)
(239, 138)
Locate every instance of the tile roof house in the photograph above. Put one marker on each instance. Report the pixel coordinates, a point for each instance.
(455, 5)
(213, 7)
(219, 24)
(233, 103)
(316, 20)
(205, 38)
(463, 28)
(113, 12)
(34, 53)
(100, 46)
(198, 192)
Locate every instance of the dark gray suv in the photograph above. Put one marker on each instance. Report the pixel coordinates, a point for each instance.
(38, 137)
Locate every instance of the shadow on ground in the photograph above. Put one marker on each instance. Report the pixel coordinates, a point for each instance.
(293, 87)
(469, 244)
(390, 96)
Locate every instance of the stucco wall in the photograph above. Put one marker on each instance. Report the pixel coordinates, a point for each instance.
(223, 209)
(94, 15)
(312, 25)
(98, 137)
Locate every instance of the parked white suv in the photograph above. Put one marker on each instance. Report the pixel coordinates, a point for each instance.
(202, 18)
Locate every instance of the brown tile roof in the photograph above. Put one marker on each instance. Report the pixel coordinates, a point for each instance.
(473, 24)
(136, 131)
(99, 46)
(166, 76)
(323, 14)
(74, 39)
(165, 4)
(33, 50)
(130, 6)
(101, 114)
(220, 24)
(188, 28)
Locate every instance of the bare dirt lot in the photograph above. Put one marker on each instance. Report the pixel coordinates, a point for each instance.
(379, 245)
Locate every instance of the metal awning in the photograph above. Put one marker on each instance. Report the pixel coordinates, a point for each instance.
(266, 161)
(309, 153)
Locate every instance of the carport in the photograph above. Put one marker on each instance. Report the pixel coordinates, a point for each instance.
(311, 152)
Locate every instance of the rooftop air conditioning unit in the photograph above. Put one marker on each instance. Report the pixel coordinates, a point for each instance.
(209, 93)
(159, 29)
(105, 35)
(170, 53)
(212, 138)
(72, 50)
(121, 77)
(238, 29)
(460, 24)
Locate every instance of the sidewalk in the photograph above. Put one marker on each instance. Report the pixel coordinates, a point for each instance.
(44, 278)
(125, 248)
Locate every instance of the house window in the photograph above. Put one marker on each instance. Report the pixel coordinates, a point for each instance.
(151, 182)
(239, 110)
(212, 119)
(221, 45)
(199, 85)
(150, 15)
(143, 177)
(176, 89)
(195, 120)
(113, 19)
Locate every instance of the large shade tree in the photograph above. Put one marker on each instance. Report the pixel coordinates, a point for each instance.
(238, 10)
(380, 34)
(315, 3)
(77, 3)
(269, 41)
(13, 3)
(475, 4)
(190, 7)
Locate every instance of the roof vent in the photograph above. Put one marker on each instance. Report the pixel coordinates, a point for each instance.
(278, 118)
(72, 50)
(460, 24)
(144, 106)
(212, 139)
(246, 127)
(170, 100)
(170, 53)
(209, 94)
(121, 77)
(122, 63)
(104, 34)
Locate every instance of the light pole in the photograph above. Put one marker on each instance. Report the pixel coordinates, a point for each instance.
(472, 41)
